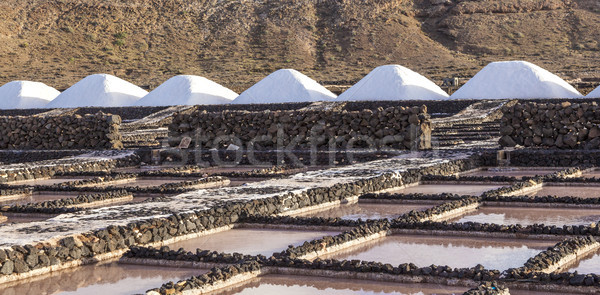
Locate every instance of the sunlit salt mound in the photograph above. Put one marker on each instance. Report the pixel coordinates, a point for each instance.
(100, 90)
(285, 86)
(187, 90)
(515, 79)
(594, 94)
(393, 82)
(26, 95)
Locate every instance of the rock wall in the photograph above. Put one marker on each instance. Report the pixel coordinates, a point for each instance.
(92, 131)
(397, 127)
(562, 125)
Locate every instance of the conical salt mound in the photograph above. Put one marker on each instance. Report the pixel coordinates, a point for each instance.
(393, 82)
(100, 90)
(515, 79)
(187, 90)
(594, 94)
(285, 86)
(26, 95)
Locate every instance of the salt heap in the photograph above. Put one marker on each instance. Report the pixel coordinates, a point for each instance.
(187, 90)
(99, 90)
(26, 95)
(285, 86)
(393, 82)
(515, 79)
(595, 93)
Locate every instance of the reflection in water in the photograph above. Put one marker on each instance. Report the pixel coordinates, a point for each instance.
(292, 285)
(528, 216)
(461, 189)
(147, 182)
(511, 172)
(367, 211)
(50, 181)
(568, 191)
(497, 254)
(39, 197)
(251, 241)
(587, 265)
(105, 278)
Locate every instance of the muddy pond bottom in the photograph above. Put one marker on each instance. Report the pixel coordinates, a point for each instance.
(251, 241)
(367, 211)
(510, 172)
(528, 216)
(568, 191)
(461, 189)
(460, 252)
(304, 285)
(103, 278)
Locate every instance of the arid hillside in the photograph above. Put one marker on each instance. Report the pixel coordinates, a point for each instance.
(236, 43)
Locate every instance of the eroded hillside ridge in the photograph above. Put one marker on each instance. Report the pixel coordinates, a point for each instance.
(236, 43)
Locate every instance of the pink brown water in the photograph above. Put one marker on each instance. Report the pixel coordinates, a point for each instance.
(105, 278)
(510, 171)
(568, 191)
(528, 216)
(251, 241)
(148, 182)
(24, 218)
(587, 265)
(296, 285)
(461, 189)
(49, 181)
(461, 252)
(592, 173)
(367, 211)
(39, 197)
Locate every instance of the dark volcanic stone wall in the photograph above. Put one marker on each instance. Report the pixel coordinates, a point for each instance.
(399, 127)
(92, 131)
(562, 125)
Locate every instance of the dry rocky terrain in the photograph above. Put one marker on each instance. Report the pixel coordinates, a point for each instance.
(236, 43)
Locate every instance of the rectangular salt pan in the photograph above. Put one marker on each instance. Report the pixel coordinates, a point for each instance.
(366, 211)
(146, 182)
(280, 284)
(528, 216)
(460, 252)
(568, 191)
(39, 197)
(587, 265)
(509, 171)
(251, 241)
(49, 181)
(104, 278)
(461, 189)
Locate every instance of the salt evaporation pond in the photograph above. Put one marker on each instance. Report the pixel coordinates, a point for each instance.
(587, 265)
(103, 278)
(367, 211)
(510, 172)
(459, 252)
(42, 196)
(393, 82)
(567, 191)
(144, 182)
(296, 285)
(461, 189)
(528, 216)
(251, 241)
(49, 181)
(515, 80)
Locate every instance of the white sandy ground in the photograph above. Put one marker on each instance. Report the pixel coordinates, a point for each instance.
(515, 80)
(99, 90)
(393, 82)
(285, 85)
(26, 95)
(75, 223)
(187, 90)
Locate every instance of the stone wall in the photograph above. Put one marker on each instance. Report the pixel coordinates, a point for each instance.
(562, 125)
(397, 127)
(92, 131)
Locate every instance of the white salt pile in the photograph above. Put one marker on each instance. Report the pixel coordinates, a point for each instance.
(594, 94)
(99, 90)
(187, 90)
(393, 82)
(26, 95)
(285, 86)
(515, 79)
